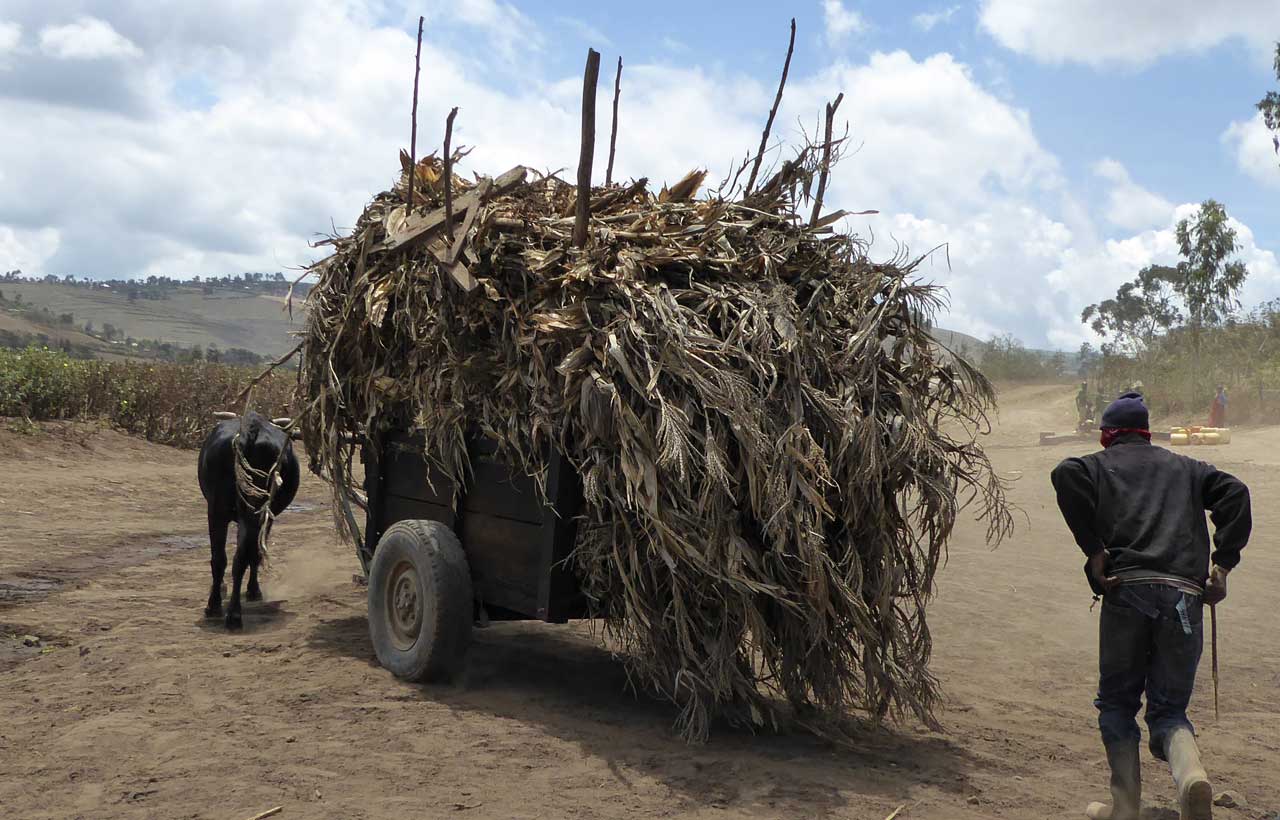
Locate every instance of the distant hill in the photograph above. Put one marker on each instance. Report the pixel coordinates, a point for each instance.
(188, 316)
(962, 344)
(193, 314)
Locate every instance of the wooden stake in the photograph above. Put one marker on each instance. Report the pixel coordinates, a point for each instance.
(448, 170)
(267, 813)
(825, 170)
(773, 112)
(583, 214)
(1213, 628)
(413, 128)
(613, 132)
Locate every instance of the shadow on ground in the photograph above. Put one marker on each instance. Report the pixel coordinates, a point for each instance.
(560, 679)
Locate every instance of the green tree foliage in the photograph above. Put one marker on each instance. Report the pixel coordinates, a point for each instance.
(1270, 107)
(1208, 279)
(1139, 312)
(1004, 358)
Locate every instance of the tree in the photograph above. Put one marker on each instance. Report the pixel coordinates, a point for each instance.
(1270, 107)
(1139, 312)
(1208, 279)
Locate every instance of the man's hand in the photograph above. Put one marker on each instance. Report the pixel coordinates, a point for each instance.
(1215, 592)
(1098, 569)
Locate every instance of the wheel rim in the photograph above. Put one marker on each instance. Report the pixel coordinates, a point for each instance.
(404, 606)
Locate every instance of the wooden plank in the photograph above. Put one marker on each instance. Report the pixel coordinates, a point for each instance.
(417, 226)
(559, 590)
(496, 489)
(505, 561)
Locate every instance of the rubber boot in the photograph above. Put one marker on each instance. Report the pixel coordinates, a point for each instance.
(1195, 795)
(1126, 784)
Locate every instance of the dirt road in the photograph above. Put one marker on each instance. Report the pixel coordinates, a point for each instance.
(133, 706)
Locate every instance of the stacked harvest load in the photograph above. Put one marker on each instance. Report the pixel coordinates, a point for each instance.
(773, 451)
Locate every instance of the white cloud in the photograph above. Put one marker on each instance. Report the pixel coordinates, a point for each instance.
(304, 109)
(589, 33)
(1090, 274)
(840, 21)
(1135, 32)
(1255, 149)
(1129, 205)
(26, 250)
(927, 21)
(10, 36)
(88, 38)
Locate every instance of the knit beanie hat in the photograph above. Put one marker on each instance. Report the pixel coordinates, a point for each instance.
(1126, 413)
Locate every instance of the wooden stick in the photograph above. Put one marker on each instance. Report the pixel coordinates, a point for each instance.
(826, 160)
(267, 813)
(896, 812)
(413, 129)
(613, 132)
(773, 112)
(589, 80)
(244, 394)
(448, 169)
(1213, 628)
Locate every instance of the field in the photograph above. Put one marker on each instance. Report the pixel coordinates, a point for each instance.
(252, 321)
(134, 706)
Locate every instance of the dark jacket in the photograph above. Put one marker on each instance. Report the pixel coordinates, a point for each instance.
(1145, 506)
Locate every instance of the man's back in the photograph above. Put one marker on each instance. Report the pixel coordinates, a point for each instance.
(1145, 505)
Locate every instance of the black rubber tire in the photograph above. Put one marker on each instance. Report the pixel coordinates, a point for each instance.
(422, 558)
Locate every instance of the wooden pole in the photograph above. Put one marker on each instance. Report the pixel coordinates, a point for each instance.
(448, 171)
(583, 212)
(773, 112)
(613, 132)
(825, 170)
(1213, 628)
(413, 128)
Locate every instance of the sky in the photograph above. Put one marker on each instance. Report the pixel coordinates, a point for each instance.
(1049, 146)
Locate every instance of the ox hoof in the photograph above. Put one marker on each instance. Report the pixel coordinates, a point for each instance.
(212, 611)
(234, 621)
(253, 594)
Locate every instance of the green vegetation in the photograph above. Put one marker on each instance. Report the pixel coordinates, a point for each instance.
(1270, 106)
(1179, 330)
(166, 403)
(1005, 359)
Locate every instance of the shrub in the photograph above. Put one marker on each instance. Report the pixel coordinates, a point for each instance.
(167, 403)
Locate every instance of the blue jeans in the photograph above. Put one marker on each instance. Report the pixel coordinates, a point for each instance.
(1151, 637)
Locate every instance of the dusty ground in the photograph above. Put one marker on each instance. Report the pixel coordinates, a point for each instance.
(134, 706)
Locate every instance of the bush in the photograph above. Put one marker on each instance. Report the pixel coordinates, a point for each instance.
(166, 403)
(1004, 359)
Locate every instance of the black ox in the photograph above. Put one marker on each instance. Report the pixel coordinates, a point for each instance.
(262, 444)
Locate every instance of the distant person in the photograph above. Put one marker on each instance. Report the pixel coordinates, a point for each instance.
(1218, 410)
(1082, 404)
(1137, 512)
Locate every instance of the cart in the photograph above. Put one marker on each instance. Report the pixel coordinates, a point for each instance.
(437, 561)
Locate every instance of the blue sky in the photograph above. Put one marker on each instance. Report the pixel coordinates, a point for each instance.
(1051, 144)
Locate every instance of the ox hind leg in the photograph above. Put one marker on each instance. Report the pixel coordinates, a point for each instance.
(246, 553)
(217, 561)
(255, 592)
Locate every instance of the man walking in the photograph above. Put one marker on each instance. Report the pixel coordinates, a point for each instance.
(1137, 512)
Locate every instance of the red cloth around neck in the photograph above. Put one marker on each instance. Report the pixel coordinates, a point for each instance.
(1110, 434)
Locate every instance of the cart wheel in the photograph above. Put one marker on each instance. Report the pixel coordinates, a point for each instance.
(420, 607)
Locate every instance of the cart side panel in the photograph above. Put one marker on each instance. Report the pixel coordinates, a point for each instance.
(502, 525)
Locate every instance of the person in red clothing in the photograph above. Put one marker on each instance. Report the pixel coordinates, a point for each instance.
(1218, 410)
